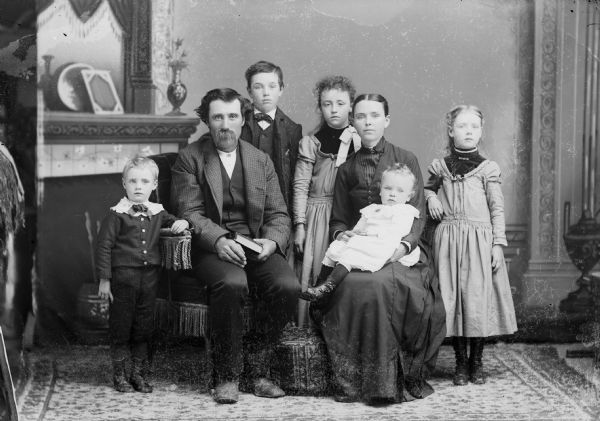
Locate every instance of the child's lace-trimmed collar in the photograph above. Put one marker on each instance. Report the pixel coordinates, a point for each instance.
(124, 206)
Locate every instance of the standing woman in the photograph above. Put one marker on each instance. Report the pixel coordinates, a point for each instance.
(319, 156)
(382, 329)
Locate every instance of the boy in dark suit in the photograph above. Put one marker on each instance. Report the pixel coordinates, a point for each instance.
(268, 128)
(127, 264)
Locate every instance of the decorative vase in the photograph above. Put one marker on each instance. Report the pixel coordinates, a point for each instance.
(176, 92)
(46, 80)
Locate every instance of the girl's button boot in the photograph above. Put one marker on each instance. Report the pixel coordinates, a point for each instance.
(461, 373)
(119, 379)
(138, 380)
(476, 374)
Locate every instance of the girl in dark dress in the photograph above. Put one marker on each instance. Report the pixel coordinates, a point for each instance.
(382, 329)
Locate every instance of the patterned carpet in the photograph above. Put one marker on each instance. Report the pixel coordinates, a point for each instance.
(525, 382)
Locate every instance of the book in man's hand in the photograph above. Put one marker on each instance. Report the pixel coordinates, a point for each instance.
(246, 242)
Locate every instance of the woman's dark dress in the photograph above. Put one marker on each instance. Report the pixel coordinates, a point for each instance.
(383, 329)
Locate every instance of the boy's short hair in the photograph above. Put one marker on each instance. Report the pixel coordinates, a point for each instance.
(263, 67)
(400, 169)
(141, 162)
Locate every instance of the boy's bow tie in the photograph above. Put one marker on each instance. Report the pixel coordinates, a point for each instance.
(139, 208)
(263, 117)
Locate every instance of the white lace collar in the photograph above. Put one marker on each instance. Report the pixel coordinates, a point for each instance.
(124, 206)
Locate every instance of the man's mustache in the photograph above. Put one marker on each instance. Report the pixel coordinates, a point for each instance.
(226, 134)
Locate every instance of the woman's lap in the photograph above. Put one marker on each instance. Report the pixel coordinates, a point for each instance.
(372, 318)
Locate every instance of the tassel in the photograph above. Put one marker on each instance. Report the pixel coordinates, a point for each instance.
(175, 251)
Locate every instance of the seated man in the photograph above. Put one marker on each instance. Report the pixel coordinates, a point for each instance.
(222, 185)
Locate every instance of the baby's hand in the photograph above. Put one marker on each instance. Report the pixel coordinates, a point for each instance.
(497, 257)
(179, 226)
(104, 290)
(435, 208)
(345, 236)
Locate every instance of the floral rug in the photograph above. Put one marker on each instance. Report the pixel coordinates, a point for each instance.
(525, 382)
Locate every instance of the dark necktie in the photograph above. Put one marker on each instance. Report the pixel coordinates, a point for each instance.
(263, 117)
(139, 208)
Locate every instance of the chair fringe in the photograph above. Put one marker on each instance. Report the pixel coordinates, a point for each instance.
(175, 252)
(191, 320)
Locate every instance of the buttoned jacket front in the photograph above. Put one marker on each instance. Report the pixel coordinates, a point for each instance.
(130, 241)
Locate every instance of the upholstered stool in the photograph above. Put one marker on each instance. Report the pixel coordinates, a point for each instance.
(301, 364)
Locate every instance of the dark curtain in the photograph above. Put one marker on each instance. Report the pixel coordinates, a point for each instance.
(84, 9)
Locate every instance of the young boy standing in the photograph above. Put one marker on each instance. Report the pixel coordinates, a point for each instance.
(268, 128)
(127, 265)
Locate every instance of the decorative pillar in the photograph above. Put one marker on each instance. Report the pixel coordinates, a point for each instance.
(163, 34)
(140, 59)
(555, 150)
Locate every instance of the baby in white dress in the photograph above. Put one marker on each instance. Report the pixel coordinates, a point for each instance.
(376, 237)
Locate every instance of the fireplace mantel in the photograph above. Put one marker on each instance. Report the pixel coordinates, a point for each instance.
(84, 128)
(76, 144)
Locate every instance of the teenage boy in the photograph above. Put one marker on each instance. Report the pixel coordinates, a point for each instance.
(268, 128)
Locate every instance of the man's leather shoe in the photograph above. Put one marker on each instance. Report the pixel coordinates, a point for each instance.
(226, 392)
(265, 388)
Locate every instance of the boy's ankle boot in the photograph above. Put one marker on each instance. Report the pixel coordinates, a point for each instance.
(119, 379)
(476, 374)
(138, 380)
(461, 374)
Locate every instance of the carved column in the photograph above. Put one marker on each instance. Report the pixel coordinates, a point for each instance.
(555, 150)
(163, 34)
(140, 55)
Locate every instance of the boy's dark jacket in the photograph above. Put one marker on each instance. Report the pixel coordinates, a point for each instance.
(287, 135)
(127, 240)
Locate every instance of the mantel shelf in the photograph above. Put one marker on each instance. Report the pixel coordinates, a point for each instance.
(87, 128)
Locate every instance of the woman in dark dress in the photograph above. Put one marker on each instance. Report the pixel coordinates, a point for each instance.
(383, 329)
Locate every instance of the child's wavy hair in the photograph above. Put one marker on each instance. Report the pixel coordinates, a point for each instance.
(328, 83)
(451, 117)
(141, 162)
(402, 170)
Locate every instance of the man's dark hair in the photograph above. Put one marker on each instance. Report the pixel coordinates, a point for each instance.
(225, 95)
(263, 67)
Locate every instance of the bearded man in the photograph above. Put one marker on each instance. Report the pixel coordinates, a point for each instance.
(224, 187)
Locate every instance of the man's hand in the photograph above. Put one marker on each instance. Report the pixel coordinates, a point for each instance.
(436, 210)
(269, 247)
(230, 251)
(497, 257)
(299, 238)
(104, 290)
